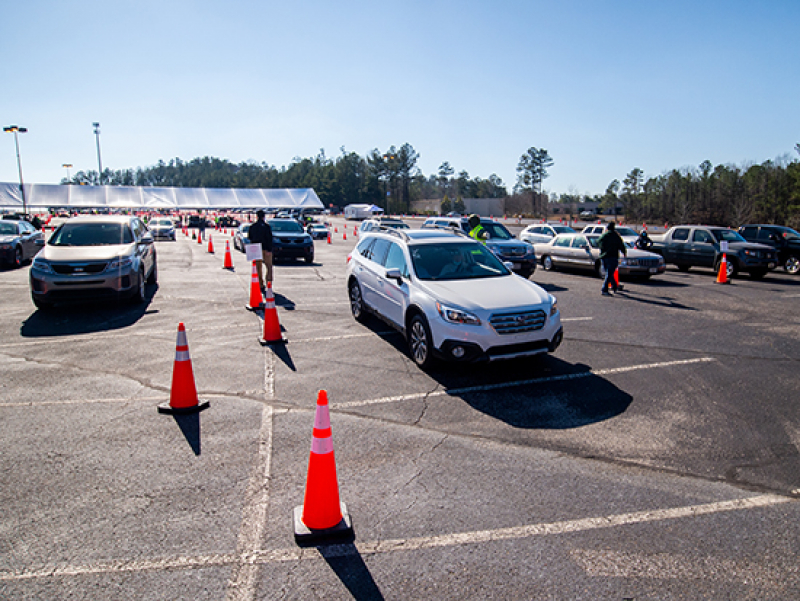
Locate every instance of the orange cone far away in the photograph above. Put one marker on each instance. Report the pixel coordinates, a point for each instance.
(256, 300)
(322, 514)
(228, 261)
(210, 244)
(183, 395)
(272, 327)
(722, 276)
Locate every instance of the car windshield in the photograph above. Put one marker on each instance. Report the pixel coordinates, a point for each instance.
(92, 234)
(497, 231)
(285, 226)
(7, 229)
(626, 231)
(789, 234)
(398, 225)
(166, 222)
(728, 235)
(455, 261)
(563, 229)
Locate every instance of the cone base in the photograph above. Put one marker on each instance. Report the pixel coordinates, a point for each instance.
(265, 342)
(304, 535)
(167, 408)
(258, 308)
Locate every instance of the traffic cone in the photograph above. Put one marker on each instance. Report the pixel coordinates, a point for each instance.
(193, 235)
(616, 279)
(228, 261)
(329, 237)
(272, 328)
(722, 276)
(256, 300)
(322, 514)
(183, 395)
(344, 235)
(199, 237)
(210, 244)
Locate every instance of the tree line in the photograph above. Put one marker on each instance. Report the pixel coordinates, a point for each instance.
(725, 195)
(389, 179)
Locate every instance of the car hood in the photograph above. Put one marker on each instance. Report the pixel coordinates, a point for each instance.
(8, 238)
(637, 253)
(86, 253)
(513, 291)
(746, 245)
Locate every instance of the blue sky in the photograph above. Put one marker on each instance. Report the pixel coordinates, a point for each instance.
(604, 86)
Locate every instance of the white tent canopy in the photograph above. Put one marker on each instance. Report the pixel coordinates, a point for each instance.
(45, 196)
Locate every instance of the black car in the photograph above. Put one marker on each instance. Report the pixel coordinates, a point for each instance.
(19, 242)
(290, 241)
(784, 240)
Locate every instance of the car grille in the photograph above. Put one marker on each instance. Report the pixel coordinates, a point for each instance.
(290, 241)
(517, 323)
(79, 268)
(644, 262)
(514, 251)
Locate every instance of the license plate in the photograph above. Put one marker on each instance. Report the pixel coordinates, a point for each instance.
(654, 270)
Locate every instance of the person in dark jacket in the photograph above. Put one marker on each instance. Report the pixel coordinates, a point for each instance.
(610, 245)
(261, 233)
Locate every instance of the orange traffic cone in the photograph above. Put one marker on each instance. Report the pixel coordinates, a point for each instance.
(322, 514)
(722, 276)
(256, 300)
(199, 237)
(272, 328)
(183, 395)
(228, 262)
(329, 237)
(210, 244)
(344, 235)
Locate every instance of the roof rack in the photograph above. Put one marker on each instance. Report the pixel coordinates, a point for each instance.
(450, 228)
(391, 230)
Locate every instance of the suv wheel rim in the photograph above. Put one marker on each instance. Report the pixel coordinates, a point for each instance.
(419, 342)
(792, 265)
(548, 263)
(18, 258)
(355, 300)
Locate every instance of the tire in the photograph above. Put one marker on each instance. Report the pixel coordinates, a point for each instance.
(547, 263)
(139, 294)
(17, 257)
(792, 264)
(357, 307)
(526, 274)
(152, 279)
(40, 304)
(683, 268)
(310, 259)
(732, 268)
(420, 342)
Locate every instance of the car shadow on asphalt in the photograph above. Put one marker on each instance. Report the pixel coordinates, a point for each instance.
(86, 318)
(542, 392)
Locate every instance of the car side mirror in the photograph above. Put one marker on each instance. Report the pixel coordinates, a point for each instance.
(40, 242)
(394, 274)
(147, 238)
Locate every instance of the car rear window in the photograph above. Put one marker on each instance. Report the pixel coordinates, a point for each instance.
(92, 234)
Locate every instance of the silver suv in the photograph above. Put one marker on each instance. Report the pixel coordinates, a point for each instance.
(93, 258)
(450, 296)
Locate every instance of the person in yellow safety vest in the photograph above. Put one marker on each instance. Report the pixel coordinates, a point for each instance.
(477, 231)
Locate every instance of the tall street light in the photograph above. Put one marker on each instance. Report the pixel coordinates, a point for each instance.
(19, 130)
(67, 166)
(99, 162)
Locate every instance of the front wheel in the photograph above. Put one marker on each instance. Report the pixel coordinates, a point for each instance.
(547, 263)
(420, 343)
(18, 257)
(139, 295)
(731, 271)
(357, 303)
(792, 264)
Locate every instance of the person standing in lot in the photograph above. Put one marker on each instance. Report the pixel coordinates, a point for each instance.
(476, 230)
(610, 245)
(261, 233)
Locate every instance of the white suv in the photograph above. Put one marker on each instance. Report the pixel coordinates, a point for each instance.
(450, 296)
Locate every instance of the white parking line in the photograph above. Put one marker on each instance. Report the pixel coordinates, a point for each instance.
(501, 385)
(403, 544)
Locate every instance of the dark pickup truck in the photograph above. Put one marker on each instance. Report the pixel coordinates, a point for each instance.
(688, 246)
(784, 240)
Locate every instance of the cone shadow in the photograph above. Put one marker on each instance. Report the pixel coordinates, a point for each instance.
(347, 563)
(282, 352)
(190, 427)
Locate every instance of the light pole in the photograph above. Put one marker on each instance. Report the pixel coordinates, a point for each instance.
(99, 162)
(19, 130)
(67, 166)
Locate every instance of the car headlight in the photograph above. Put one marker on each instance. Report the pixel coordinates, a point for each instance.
(452, 315)
(41, 265)
(553, 306)
(120, 263)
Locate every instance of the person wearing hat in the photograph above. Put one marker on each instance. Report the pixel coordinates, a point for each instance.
(261, 233)
(476, 230)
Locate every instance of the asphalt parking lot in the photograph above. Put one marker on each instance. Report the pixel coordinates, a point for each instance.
(655, 455)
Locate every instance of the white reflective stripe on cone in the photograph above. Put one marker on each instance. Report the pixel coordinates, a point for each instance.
(322, 446)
